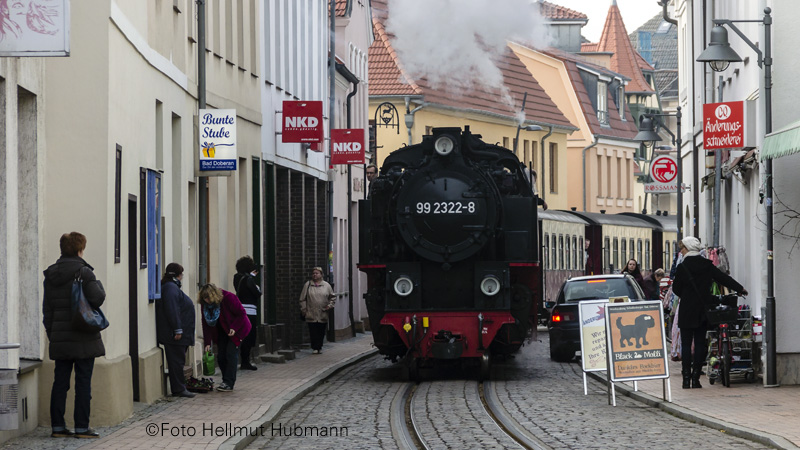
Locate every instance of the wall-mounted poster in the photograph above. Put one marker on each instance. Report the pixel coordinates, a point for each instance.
(34, 28)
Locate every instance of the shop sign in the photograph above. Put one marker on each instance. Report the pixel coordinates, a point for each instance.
(217, 139)
(664, 173)
(302, 122)
(34, 28)
(347, 146)
(637, 346)
(723, 125)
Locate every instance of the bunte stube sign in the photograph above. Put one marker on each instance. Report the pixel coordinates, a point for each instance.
(217, 139)
(347, 146)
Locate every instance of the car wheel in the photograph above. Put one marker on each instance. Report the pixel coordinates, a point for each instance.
(561, 355)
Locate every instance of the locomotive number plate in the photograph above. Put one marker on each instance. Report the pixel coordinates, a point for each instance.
(447, 207)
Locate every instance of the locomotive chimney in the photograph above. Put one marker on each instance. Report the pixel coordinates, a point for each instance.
(574, 208)
(602, 211)
(658, 212)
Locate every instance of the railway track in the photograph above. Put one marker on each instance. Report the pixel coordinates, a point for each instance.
(431, 415)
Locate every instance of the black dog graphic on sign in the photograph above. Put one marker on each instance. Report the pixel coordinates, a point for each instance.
(636, 332)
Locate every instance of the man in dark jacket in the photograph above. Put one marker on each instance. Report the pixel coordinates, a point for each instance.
(69, 347)
(175, 326)
(692, 284)
(249, 294)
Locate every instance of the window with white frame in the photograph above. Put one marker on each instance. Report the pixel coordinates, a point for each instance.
(602, 102)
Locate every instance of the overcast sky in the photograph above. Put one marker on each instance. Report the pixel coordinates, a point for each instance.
(634, 13)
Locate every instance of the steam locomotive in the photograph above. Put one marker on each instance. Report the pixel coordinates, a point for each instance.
(449, 242)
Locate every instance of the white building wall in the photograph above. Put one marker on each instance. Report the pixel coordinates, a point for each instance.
(22, 171)
(131, 81)
(743, 213)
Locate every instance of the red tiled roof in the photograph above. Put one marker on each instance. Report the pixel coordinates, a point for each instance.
(341, 7)
(589, 47)
(387, 77)
(557, 12)
(616, 128)
(625, 59)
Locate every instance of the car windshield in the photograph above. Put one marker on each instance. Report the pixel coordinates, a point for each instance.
(599, 289)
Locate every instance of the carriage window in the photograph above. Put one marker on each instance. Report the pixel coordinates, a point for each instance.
(561, 252)
(553, 245)
(647, 255)
(546, 255)
(632, 251)
(615, 258)
(575, 253)
(584, 253)
(624, 250)
(639, 251)
(567, 253)
(606, 254)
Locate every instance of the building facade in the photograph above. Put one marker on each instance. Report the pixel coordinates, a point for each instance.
(742, 193)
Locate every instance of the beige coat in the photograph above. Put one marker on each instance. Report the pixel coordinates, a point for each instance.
(313, 298)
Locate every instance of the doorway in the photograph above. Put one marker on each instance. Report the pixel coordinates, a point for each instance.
(133, 294)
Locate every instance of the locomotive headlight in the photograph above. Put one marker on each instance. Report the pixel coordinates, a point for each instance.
(444, 145)
(490, 285)
(403, 286)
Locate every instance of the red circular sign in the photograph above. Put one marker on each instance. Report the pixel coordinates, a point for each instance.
(664, 169)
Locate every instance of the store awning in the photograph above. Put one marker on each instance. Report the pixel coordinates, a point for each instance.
(783, 142)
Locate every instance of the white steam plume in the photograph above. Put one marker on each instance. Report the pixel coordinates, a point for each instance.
(450, 42)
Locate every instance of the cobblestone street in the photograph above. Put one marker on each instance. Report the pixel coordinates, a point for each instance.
(545, 397)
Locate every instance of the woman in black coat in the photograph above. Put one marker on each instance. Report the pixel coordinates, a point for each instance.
(249, 293)
(175, 326)
(693, 278)
(71, 348)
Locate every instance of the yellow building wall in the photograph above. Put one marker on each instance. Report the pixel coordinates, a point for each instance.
(493, 131)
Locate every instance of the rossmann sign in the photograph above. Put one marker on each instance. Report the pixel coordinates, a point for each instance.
(723, 125)
(347, 146)
(302, 122)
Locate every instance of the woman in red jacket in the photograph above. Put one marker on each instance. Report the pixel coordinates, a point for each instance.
(224, 322)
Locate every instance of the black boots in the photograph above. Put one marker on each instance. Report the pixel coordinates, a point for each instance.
(687, 379)
(696, 378)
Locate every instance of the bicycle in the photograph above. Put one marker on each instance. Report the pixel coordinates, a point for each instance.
(723, 316)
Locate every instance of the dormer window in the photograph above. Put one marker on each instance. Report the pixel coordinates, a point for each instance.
(602, 102)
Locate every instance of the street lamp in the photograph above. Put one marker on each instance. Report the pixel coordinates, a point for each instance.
(648, 136)
(718, 55)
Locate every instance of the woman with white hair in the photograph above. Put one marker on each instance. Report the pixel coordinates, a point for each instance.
(692, 283)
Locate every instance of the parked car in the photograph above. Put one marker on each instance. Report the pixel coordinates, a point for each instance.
(563, 325)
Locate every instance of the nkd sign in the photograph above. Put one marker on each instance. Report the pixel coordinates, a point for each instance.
(723, 125)
(347, 146)
(302, 122)
(217, 139)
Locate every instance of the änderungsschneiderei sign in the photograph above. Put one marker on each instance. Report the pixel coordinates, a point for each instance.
(217, 139)
(34, 28)
(592, 315)
(636, 342)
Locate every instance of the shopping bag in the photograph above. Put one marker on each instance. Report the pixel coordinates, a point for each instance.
(84, 317)
(208, 364)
